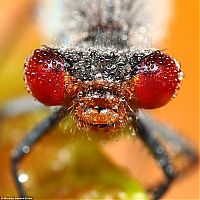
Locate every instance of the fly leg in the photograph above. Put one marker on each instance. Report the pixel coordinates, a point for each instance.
(159, 153)
(169, 136)
(30, 140)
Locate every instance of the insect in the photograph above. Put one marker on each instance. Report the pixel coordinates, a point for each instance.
(106, 79)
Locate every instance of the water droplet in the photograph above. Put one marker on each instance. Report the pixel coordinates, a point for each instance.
(33, 74)
(98, 76)
(180, 76)
(161, 162)
(159, 150)
(23, 178)
(26, 149)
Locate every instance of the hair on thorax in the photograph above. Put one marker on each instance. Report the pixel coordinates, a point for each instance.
(134, 23)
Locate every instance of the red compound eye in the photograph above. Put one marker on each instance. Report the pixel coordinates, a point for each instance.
(158, 80)
(45, 76)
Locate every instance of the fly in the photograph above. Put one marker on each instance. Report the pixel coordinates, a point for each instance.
(105, 77)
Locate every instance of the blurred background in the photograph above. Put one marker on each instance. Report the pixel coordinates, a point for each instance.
(20, 34)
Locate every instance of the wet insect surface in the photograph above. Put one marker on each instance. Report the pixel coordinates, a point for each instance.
(102, 85)
(105, 80)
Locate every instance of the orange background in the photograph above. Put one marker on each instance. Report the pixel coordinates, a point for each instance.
(183, 112)
(17, 33)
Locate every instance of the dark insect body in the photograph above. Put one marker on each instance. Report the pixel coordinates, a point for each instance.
(104, 81)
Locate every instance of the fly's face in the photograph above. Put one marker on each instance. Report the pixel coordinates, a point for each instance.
(101, 111)
(102, 85)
